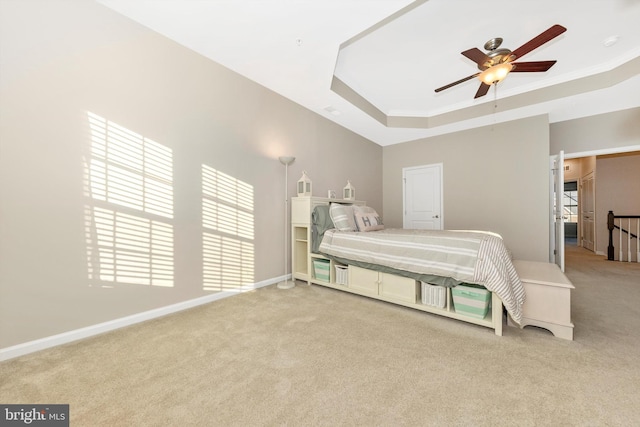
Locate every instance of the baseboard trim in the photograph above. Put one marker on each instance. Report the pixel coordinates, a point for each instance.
(100, 328)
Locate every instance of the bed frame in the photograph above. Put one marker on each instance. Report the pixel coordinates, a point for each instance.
(382, 286)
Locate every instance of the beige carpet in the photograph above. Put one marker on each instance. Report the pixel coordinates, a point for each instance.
(314, 356)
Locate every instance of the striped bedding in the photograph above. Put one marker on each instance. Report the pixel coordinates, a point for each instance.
(468, 256)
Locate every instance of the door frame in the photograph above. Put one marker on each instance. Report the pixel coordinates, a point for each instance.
(556, 199)
(591, 176)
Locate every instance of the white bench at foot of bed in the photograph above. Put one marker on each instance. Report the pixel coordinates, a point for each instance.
(548, 301)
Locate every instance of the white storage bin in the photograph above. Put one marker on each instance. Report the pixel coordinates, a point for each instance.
(434, 295)
(342, 274)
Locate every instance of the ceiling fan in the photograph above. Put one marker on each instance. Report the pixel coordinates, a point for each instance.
(498, 62)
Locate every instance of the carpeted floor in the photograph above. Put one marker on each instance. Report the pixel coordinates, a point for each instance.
(312, 356)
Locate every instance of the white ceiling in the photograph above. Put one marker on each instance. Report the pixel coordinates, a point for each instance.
(390, 55)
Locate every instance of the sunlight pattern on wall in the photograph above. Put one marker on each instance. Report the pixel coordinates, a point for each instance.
(130, 249)
(227, 240)
(129, 170)
(129, 232)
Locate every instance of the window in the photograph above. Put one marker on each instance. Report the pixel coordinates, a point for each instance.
(227, 240)
(128, 218)
(570, 202)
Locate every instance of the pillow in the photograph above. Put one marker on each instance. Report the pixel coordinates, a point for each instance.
(367, 219)
(342, 217)
(320, 222)
(364, 209)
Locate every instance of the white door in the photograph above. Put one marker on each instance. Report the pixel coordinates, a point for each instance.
(422, 197)
(587, 211)
(556, 193)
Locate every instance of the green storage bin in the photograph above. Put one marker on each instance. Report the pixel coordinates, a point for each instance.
(471, 301)
(321, 269)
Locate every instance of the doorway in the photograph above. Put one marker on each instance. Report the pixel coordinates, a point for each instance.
(581, 167)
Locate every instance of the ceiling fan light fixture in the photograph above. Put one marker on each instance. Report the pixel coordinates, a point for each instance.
(496, 73)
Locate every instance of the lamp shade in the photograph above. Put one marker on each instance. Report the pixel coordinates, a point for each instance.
(304, 185)
(286, 160)
(495, 74)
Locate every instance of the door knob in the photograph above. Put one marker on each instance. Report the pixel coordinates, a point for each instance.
(436, 216)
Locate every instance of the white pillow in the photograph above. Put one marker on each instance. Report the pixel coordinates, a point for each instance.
(342, 217)
(367, 219)
(364, 209)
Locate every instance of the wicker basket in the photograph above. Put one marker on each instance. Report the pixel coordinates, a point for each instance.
(434, 295)
(342, 274)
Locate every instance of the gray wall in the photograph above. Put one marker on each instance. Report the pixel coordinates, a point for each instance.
(608, 131)
(495, 178)
(63, 59)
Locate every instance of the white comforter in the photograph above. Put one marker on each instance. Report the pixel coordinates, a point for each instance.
(468, 256)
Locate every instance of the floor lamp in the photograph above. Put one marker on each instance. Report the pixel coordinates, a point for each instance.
(286, 161)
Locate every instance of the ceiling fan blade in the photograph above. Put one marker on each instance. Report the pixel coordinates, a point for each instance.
(539, 40)
(476, 55)
(440, 89)
(482, 90)
(533, 66)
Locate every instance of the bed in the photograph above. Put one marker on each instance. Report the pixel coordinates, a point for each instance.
(355, 235)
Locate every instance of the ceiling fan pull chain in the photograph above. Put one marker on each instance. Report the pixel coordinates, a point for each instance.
(495, 104)
(495, 97)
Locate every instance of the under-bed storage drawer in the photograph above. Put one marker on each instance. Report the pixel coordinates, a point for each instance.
(386, 285)
(363, 280)
(397, 287)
